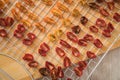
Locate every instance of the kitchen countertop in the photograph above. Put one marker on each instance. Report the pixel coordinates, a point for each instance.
(109, 67)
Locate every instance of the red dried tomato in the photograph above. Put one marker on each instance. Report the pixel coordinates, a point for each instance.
(60, 73)
(33, 64)
(71, 36)
(78, 72)
(3, 33)
(100, 23)
(65, 44)
(9, 21)
(69, 79)
(88, 37)
(17, 34)
(21, 28)
(3, 22)
(98, 43)
(67, 62)
(44, 47)
(75, 52)
(116, 16)
(82, 65)
(104, 12)
(42, 52)
(82, 42)
(106, 33)
(91, 55)
(31, 36)
(110, 27)
(27, 42)
(28, 57)
(49, 66)
(76, 29)
(83, 20)
(93, 29)
(60, 52)
(111, 5)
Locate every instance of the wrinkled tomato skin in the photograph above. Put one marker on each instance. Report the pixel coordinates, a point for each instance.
(104, 12)
(98, 43)
(3, 33)
(31, 36)
(82, 65)
(110, 27)
(91, 55)
(21, 28)
(82, 42)
(49, 66)
(33, 64)
(28, 57)
(106, 33)
(27, 42)
(17, 34)
(60, 52)
(42, 52)
(65, 44)
(111, 5)
(88, 37)
(116, 16)
(100, 23)
(9, 21)
(60, 72)
(75, 52)
(71, 36)
(78, 72)
(3, 22)
(93, 29)
(67, 62)
(44, 47)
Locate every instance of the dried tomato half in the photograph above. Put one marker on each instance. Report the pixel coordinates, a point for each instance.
(49, 66)
(78, 72)
(76, 29)
(21, 28)
(88, 37)
(18, 34)
(98, 43)
(9, 21)
(3, 22)
(91, 55)
(93, 29)
(33, 64)
(71, 36)
(110, 27)
(75, 52)
(3, 33)
(116, 16)
(106, 33)
(65, 44)
(60, 52)
(83, 20)
(28, 57)
(42, 52)
(27, 42)
(44, 71)
(82, 65)
(67, 62)
(111, 5)
(82, 42)
(31, 36)
(44, 47)
(100, 23)
(60, 73)
(104, 12)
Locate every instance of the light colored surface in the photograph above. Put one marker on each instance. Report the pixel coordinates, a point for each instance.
(109, 67)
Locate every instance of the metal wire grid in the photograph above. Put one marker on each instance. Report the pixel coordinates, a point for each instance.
(73, 20)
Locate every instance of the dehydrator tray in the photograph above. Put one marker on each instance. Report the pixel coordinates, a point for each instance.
(15, 49)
